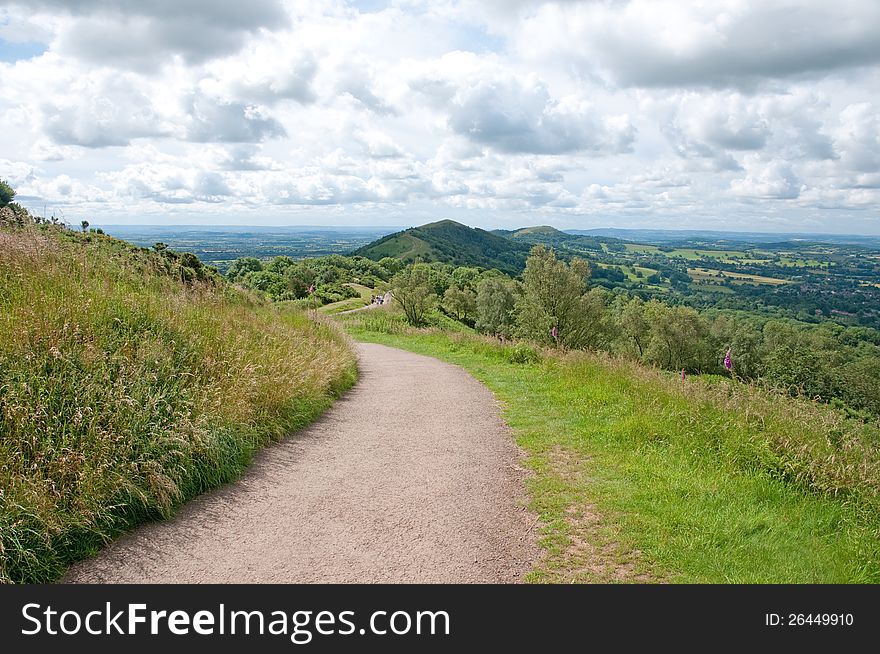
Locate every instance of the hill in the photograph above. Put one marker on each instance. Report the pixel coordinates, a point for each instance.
(130, 381)
(450, 242)
(552, 237)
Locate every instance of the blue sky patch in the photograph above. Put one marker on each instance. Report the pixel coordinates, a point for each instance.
(11, 52)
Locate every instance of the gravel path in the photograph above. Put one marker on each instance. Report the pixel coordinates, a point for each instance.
(410, 477)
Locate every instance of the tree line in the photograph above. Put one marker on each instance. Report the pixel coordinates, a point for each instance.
(554, 304)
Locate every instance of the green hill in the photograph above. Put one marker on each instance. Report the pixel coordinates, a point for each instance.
(130, 381)
(450, 242)
(507, 250)
(552, 237)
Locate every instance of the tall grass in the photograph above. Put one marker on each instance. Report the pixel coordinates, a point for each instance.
(124, 391)
(702, 480)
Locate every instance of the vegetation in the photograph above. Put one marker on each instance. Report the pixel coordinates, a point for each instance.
(312, 283)
(641, 476)
(7, 193)
(414, 293)
(450, 242)
(130, 381)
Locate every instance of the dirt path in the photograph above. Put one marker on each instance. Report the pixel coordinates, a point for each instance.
(411, 477)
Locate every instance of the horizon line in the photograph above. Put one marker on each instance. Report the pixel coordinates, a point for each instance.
(489, 229)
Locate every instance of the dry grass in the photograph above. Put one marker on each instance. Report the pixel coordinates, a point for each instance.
(124, 392)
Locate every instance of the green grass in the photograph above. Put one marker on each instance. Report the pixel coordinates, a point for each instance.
(125, 391)
(631, 272)
(701, 274)
(351, 303)
(640, 477)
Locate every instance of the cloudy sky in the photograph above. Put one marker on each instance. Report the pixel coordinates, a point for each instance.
(726, 114)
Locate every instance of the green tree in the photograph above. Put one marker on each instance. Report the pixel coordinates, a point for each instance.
(391, 264)
(300, 277)
(413, 290)
(84, 225)
(634, 328)
(679, 339)
(7, 193)
(496, 306)
(555, 296)
(242, 266)
(466, 277)
(271, 283)
(460, 303)
(280, 264)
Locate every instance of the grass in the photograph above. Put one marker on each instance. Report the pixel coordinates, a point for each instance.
(640, 477)
(633, 273)
(363, 299)
(124, 391)
(699, 274)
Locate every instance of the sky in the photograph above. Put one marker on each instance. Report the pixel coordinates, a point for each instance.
(752, 115)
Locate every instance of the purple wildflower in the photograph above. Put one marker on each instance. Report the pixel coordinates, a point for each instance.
(728, 362)
(554, 333)
(683, 375)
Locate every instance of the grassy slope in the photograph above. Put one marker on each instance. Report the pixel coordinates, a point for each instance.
(351, 303)
(640, 476)
(124, 392)
(451, 242)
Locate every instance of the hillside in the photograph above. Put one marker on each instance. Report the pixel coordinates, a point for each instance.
(552, 237)
(130, 381)
(450, 242)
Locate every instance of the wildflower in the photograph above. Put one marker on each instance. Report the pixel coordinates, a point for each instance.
(728, 362)
(554, 333)
(683, 376)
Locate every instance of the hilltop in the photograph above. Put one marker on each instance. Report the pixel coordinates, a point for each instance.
(450, 242)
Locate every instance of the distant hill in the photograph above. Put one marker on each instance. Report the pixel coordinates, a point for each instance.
(552, 237)
(655, 236)
(450, 242)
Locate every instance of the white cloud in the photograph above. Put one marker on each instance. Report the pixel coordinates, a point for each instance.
(715, 43)
(492, 111)
(770, 180)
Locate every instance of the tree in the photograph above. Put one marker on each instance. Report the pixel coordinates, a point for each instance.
(7, 193)
(280, 264)
(301, 277)
(413, 291)
(635, 330)
(391, 264)
(242, 266)
(84, 225)
(460, 303)
(679, 339)
(272, 283)
(466, 277)
(496, 306)
(554, 296)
